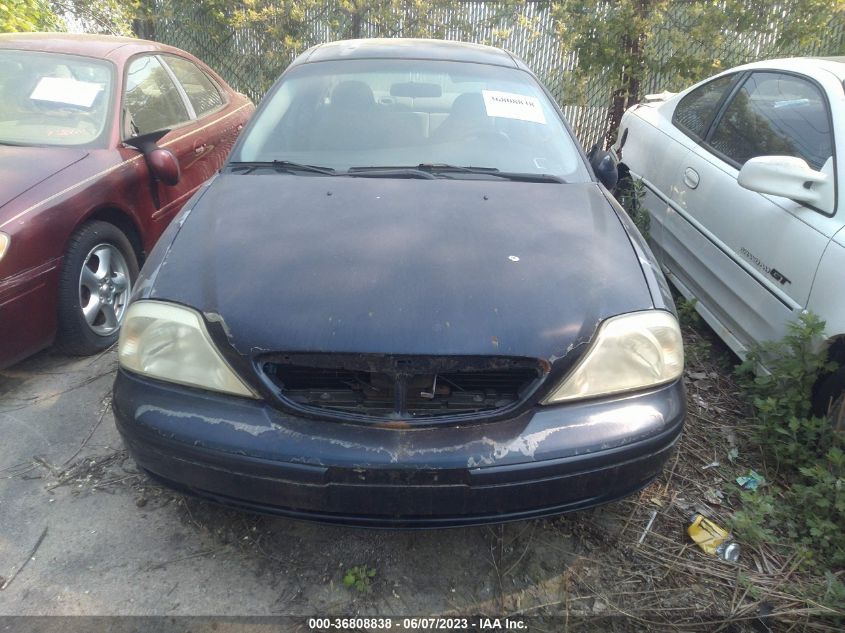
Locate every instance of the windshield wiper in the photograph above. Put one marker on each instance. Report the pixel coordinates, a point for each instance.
(389, 172)
(426, 171)
(444, 168)
(489, 171)
(423, 170)
(433, 170)
(529, 177)
(284, 166)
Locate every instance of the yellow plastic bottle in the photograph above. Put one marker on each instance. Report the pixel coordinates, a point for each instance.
(712, 538)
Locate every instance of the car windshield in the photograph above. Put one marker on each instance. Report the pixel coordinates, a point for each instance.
(441, 116)
(52, 99)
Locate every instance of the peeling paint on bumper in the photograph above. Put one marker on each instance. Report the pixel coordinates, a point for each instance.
(249, 455)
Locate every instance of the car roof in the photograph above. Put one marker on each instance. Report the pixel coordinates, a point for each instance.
(100, 46)
(808, 65)
(410, 48)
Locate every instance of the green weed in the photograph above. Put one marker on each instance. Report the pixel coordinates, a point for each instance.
(631, 193)
(359, 577)
(687, 314)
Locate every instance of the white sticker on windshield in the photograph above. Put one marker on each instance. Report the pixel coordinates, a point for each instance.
(510, 105)
(792, 103)
(66, 90)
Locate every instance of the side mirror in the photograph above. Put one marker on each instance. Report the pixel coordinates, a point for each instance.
(604, 166)
(164, 166)
(162, 163)
(790, 177)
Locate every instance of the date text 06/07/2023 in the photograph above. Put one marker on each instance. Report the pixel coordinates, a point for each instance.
(418, 624)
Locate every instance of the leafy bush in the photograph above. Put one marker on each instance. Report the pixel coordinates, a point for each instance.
(806, 503)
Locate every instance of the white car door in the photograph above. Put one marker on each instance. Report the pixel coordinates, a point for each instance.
(751, 258)
(654, 150)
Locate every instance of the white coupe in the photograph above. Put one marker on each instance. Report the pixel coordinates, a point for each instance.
(744, 178)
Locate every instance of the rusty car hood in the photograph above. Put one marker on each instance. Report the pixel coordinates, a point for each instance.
(401, 266)
(25, 167)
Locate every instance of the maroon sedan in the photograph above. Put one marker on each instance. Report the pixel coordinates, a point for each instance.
(102, 141)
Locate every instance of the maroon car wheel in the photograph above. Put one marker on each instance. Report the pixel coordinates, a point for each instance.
(99, 269)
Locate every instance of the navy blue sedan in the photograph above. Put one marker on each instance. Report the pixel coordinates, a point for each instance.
(408, 299)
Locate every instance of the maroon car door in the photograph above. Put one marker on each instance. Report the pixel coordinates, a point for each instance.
(169, 92)
(218, 121)
(152, 102)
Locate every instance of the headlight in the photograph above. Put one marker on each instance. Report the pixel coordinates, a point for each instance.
(170, 342)
(631, 351)
(5, 240)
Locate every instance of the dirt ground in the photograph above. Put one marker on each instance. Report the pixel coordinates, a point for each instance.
(108, 541)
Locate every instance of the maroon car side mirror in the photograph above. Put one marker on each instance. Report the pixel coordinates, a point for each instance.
(164, 166)
(162, 163)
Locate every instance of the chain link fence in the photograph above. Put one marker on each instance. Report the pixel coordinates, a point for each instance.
(251, 59)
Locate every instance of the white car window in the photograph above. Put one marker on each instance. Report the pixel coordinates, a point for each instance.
(775, 114)
(696, 110)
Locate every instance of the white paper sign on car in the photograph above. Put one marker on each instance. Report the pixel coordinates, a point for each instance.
(66, 90)
(510, 105)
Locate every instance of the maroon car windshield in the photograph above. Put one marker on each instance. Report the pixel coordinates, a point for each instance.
(53, 99)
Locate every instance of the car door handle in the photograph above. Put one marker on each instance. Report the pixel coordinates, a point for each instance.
(199, 149)
(691, 178)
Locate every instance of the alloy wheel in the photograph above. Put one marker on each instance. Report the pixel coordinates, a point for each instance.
(104, 288)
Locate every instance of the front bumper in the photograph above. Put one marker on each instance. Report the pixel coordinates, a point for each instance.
(249, 455)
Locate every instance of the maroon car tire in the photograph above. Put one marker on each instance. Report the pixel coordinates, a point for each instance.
(98, 271)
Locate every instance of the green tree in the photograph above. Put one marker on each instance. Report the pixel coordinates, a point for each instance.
(26, 15)
(111, 17)
(414, 18)
(249, 41)
(265, 35)
(627, 42)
